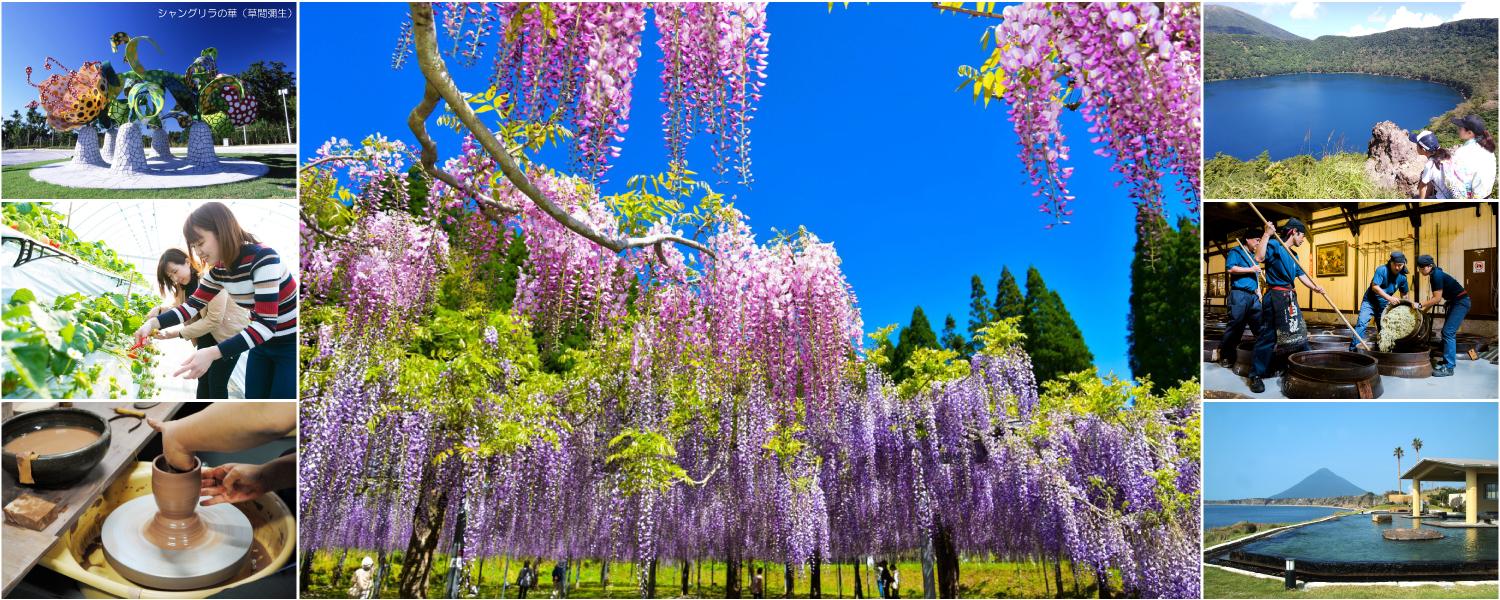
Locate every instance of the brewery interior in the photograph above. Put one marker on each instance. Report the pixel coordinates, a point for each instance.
(1346, 243)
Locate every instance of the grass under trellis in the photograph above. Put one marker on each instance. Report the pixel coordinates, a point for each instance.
(976, 580)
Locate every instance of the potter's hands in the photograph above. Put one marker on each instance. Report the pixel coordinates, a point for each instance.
(145, 330)
(198, 363)
(178, 454)
(234, 482)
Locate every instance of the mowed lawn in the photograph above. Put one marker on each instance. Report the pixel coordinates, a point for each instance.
(279, 182)
(1218, 583)
(976, 580)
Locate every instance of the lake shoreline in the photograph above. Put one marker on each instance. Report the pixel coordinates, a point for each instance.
(1466, 95)
(1234, 503)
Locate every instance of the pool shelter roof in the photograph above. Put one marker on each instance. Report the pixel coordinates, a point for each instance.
(1448, 469)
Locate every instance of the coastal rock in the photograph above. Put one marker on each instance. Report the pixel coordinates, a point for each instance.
(1392, 160)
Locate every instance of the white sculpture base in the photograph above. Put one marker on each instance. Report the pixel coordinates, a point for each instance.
(201, 146)
(159, 143)
(158, 174)
(107, 150)
(86, 151)
(130, 152)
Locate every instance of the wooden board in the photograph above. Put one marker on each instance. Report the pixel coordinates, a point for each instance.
(24, 547)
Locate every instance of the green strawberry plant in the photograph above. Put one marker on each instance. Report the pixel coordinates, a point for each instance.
(45, 346)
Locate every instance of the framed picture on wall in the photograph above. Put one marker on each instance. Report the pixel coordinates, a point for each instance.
(1217, 285)
(1332, 259)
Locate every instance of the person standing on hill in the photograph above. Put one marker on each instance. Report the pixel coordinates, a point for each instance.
(1439, 168)
(1244, 295)
(1281, 323)
(1474, 159)
(1445, 289)
(1388, 281)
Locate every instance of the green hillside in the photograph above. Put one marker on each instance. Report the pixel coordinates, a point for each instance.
(1218, 18)
(1460, 54)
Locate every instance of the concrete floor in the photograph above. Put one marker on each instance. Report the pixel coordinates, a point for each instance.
(1471, 379)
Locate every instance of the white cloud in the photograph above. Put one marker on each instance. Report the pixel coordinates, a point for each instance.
(1399, 19)
(1377, 16)
(1305, 10)
(1477, 9)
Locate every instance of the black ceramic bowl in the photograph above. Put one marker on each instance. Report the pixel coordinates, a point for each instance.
(58, 470)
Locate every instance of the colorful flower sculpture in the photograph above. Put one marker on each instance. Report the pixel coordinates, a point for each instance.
(72, 98)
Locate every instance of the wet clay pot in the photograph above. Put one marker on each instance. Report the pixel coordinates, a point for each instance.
(65, 468)
(1409, 365)
(1331, 375)
(176, 525)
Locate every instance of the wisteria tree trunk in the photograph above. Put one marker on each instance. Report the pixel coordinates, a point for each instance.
(1102, 576)
(815, 576)
(790, 579)
(929, 579)
(859, 589)
(338, 573)
(946, 557)
(731, 575)
(382, 567)
(426, 525)
(687, 569)
(649, 590)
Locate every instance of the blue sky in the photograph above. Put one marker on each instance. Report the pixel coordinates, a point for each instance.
(75, 32)
(1256, 449)
(1314, 19)
(860, 137)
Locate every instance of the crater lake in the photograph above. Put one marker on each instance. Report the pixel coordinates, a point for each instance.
(1313, 113)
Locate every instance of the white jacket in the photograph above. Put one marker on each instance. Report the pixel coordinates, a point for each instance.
(1474, 168)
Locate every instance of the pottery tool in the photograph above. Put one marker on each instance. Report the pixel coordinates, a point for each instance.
(129, 413)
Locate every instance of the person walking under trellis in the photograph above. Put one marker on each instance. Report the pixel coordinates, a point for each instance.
(526, 579)
(364, 579)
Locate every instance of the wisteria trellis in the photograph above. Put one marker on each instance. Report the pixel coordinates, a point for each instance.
(782, 442)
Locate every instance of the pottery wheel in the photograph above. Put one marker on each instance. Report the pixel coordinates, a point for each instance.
(227, 542)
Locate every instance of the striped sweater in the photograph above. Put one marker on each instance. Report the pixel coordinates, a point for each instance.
(258, 282)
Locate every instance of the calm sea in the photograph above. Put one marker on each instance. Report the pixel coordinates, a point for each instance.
(1220, 515)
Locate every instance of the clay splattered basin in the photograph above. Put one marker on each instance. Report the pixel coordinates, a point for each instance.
(61, 469)
(1331, 374)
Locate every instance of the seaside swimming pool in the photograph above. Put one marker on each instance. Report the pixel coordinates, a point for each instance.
(1352, 548)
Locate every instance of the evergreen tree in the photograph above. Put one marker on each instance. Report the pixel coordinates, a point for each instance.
(917, 334)
(953, 340)
(1052, 338)
(1164, 306)
(980, 313)
(1008, 299)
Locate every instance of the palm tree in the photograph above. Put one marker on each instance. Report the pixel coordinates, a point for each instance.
(1398, 454)
(1416, 444)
